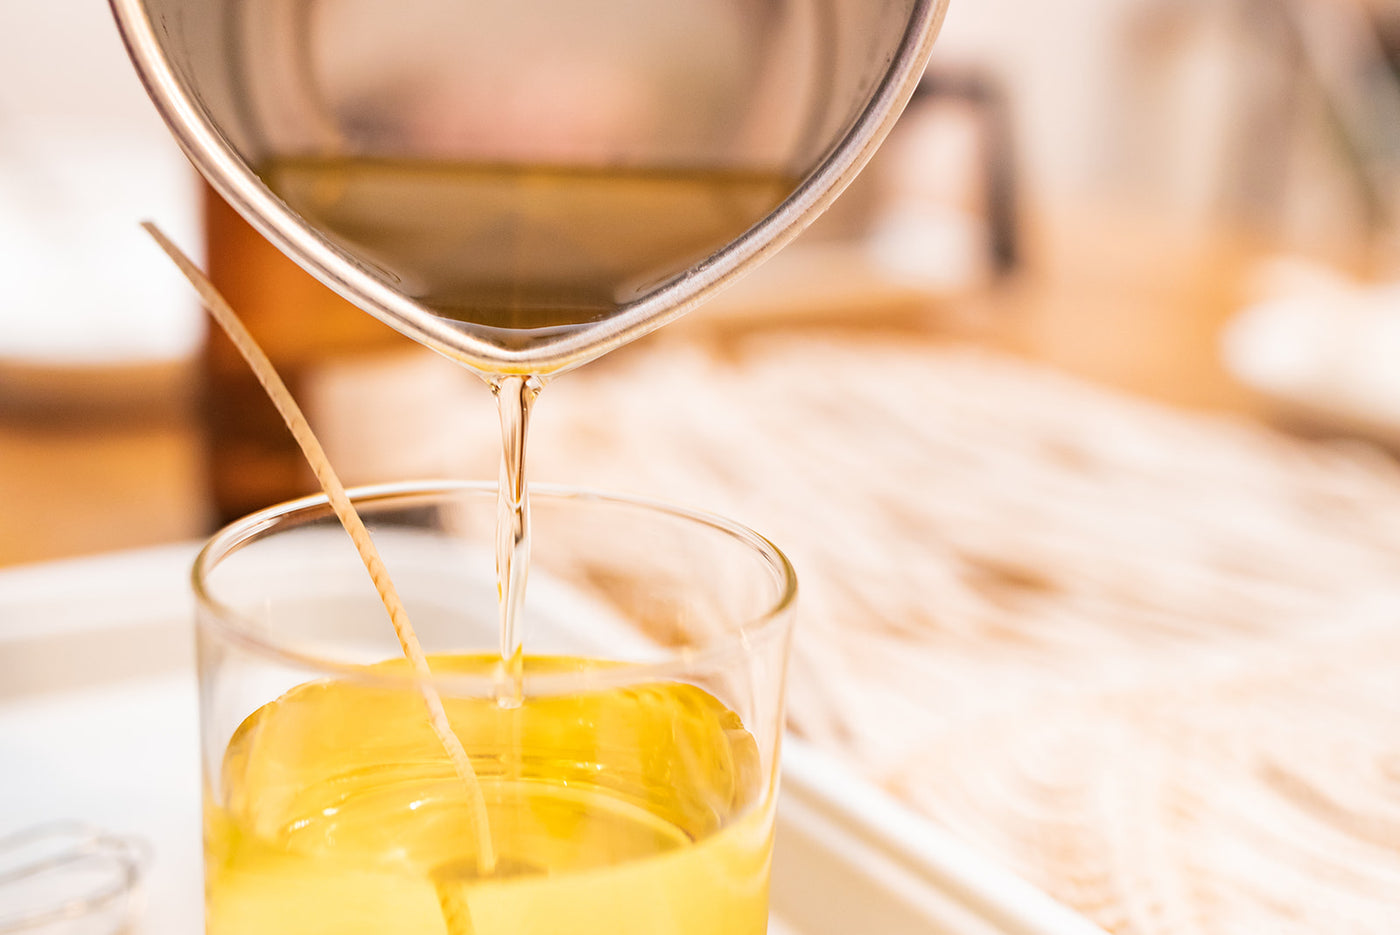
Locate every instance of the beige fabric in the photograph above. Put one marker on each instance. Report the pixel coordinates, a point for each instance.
(1151, 660)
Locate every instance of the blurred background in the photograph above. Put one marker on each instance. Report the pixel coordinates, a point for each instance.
(1083, 401)
(1098, 186)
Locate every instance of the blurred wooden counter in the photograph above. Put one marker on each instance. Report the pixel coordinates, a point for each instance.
(93, 459)
(1133, 306)
(113, 461)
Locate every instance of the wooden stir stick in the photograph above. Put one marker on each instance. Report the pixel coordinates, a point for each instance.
(291, 413)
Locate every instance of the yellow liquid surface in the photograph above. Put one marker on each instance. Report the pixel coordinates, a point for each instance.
(636, 811)
(524, 248)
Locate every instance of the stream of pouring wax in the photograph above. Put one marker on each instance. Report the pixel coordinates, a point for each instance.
(517, 254)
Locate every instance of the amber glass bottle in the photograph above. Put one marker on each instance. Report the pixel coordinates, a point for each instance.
(331, 355)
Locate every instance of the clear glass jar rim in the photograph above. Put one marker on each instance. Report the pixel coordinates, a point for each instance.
(745, 638)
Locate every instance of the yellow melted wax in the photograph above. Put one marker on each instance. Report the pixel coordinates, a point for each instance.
(626, 811)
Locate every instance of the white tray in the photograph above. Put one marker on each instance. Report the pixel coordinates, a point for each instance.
(98, 723)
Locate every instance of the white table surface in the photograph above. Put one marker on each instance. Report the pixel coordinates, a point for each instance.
(98, 723)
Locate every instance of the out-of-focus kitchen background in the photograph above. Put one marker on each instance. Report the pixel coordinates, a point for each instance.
(1098, 186)
(1083, 401)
